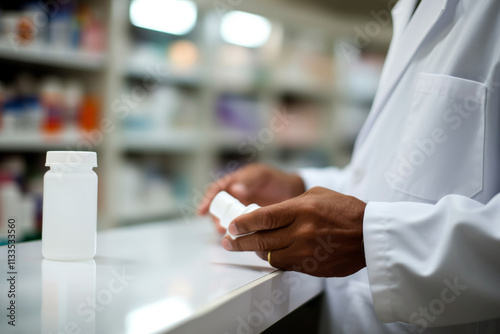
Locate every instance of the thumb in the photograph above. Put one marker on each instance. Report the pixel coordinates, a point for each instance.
(266, 218)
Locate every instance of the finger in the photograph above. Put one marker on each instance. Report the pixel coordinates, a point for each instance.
(240, 184)
(266, 218)
(246, 181)
(262, 254)
(239, 190)
(221, 230)
(282, 259)
(237, 184)
(260, 241)
(212, 190)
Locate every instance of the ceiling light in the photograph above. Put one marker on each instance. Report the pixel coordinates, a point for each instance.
(176, 17)
(245, 29)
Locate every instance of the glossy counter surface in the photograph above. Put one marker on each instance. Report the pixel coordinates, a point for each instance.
(169, 277)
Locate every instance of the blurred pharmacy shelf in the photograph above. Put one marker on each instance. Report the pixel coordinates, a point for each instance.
(167, 75)
(56, 77)
(319, 93)
(160, 142)
(179, 108)
(45, 55)
(29, 141)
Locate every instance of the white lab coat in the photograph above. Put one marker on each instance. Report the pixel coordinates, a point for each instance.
(427, 161)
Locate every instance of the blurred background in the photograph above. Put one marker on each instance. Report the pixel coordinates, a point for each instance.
(174, 94)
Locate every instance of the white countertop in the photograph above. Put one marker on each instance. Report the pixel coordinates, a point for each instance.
(169, 277)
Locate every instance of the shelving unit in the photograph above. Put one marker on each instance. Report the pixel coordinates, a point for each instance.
(197, 151)
(42, 55)
(29, 141)
(175, 141)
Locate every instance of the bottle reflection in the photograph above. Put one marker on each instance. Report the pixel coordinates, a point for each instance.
(66, 288)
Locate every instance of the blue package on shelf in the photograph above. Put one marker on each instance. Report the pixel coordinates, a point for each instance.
(238, 112)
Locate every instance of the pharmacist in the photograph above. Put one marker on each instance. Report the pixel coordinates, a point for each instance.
(409, 231)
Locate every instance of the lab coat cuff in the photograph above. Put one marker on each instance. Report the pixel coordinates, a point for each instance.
(377, 218)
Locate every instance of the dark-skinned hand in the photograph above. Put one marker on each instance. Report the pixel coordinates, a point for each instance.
(254, 183)
(319, 233)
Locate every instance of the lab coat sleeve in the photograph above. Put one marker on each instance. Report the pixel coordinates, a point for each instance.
(330, 177)
(434, 265)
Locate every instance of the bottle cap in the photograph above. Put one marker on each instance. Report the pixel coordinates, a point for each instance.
(71, 158)
(221, 204)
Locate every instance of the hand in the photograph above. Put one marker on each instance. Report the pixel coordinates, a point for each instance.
(255, 183)
(319, 233)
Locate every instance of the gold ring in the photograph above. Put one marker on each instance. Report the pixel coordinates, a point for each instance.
(269, 258)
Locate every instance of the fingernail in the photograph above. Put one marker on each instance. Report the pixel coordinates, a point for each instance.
(227, 244)
(232, 229)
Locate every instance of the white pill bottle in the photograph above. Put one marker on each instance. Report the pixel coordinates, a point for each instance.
(69, 206)
(226, 208)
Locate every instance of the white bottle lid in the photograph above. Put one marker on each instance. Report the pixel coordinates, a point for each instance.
(71, 158)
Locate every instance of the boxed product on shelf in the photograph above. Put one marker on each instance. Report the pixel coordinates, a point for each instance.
(50, 106)
(52, 101)
(20, 105)
(239, 68)
(183, 55)
(67, 25)
(164, 109)
(179, 61)
(238, 112)
(306, 63)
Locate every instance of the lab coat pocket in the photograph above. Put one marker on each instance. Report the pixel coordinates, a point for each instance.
(441, 150)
